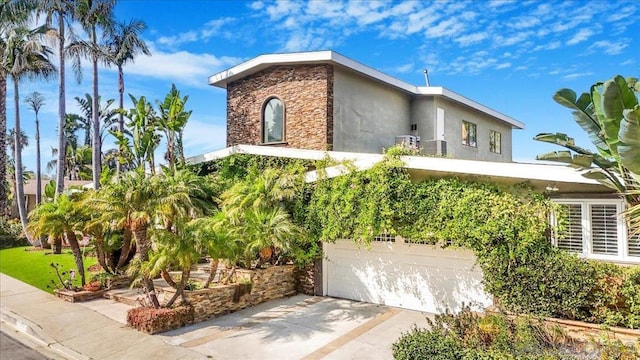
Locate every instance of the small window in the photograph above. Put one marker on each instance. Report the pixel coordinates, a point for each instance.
(495, 142)
(570, 238)
(273, 121)
(469, 134)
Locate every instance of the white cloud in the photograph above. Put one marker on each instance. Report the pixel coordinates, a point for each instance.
(622, 13)
(201, 136)
(580, 36)
(448, 27)
(403, 69)
(550, 46)
(576, 75)
(469, 39)
(256, 5)
(503, 66)
(512, 39)
(181, 67)
(179, 39)
(628, 62)
(609, 48)
(525, 22)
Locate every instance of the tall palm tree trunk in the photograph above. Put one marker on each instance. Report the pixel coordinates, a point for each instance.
(143, 246)
(3, 144)
(38, 167)
(18, 162)
(97, 153)
(212, 272)
(121, 107)
(77, 254)
(62, 108)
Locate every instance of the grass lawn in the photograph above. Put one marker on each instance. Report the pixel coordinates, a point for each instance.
(33, 266)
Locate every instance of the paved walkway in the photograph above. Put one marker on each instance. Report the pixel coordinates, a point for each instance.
(299, 327)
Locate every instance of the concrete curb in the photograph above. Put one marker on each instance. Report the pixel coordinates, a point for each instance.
(35, 332)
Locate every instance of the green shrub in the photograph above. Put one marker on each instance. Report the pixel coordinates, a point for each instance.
(548, 283)
(11, 234)
(421, 344)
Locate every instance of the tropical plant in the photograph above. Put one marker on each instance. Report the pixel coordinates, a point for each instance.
(24, 57)
(77, 161)
(93, 15)
(13, 13)
(136, 149)
(106, 117)
(173, 118)
(35, 100)
(610, 115)
(59, 219)
(123, 44)
(61, 13)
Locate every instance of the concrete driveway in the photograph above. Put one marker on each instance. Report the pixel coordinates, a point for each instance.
(300, 327)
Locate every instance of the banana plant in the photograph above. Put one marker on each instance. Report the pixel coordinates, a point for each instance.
(610, 115)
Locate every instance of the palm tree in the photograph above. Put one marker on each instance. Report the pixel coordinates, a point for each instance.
(13, 13)
(173, 118)
(11, 170)
(61, 12)
(35, 100)
(23, 57)
(106, 117)
(124, 43)
(93, 14)
(59, 219)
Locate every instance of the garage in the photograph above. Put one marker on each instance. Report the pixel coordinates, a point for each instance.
(411, 276)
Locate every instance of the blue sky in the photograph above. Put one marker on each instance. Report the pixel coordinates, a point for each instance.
(508, 55)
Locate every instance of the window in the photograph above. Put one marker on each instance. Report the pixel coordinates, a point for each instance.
(495, 142)
(469, 133)
(273, 121)
(595, 229)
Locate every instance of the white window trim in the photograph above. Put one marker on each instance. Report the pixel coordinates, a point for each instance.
(623, 248)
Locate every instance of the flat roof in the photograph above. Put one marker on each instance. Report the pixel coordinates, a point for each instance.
(262, 62)
(540, 176)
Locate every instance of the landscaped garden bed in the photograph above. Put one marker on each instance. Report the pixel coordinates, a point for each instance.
(251, 288)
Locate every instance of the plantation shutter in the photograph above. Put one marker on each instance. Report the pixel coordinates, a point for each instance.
(633, 245)
(571, 237)
(604, 229)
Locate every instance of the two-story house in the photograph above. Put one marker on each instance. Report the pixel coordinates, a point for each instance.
(325, 101)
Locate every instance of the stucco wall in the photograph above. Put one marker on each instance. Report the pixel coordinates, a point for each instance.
(423, 114)
(367, 115)
(305, 90)
(454, 115)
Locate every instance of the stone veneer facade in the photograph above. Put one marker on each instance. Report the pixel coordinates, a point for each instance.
(307, 94)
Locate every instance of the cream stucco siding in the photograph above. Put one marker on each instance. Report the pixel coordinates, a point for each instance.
(454, 114)
(367, 115)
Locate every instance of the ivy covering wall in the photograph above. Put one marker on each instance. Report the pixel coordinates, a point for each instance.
(506, 227)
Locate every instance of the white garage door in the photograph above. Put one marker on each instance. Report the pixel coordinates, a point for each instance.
(417, 277)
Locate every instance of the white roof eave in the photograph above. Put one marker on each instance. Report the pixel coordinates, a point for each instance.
(363, 161)
(261, 62)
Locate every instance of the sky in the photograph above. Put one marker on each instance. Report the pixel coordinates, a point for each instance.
(511, 56)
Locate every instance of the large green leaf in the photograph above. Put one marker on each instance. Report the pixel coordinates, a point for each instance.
(576, 160)
(610, 127)
(565, 141)
(629, 148)
(616, 97)
(601, 177)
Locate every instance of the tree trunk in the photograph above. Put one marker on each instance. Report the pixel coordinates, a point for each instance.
(61, 108)
(77, 254)
(57, 245)
(126, 248)
(167, 277)
(38, 169)
(212, 272)
(121, 107)
(186, 271)
(140, 235)
(18, 162)
(3, 143)
(100, 254)
(97, 147)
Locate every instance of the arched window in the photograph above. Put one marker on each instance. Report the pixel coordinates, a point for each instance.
(273, 121)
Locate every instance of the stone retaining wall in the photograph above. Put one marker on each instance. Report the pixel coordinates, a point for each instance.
(253, 287)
